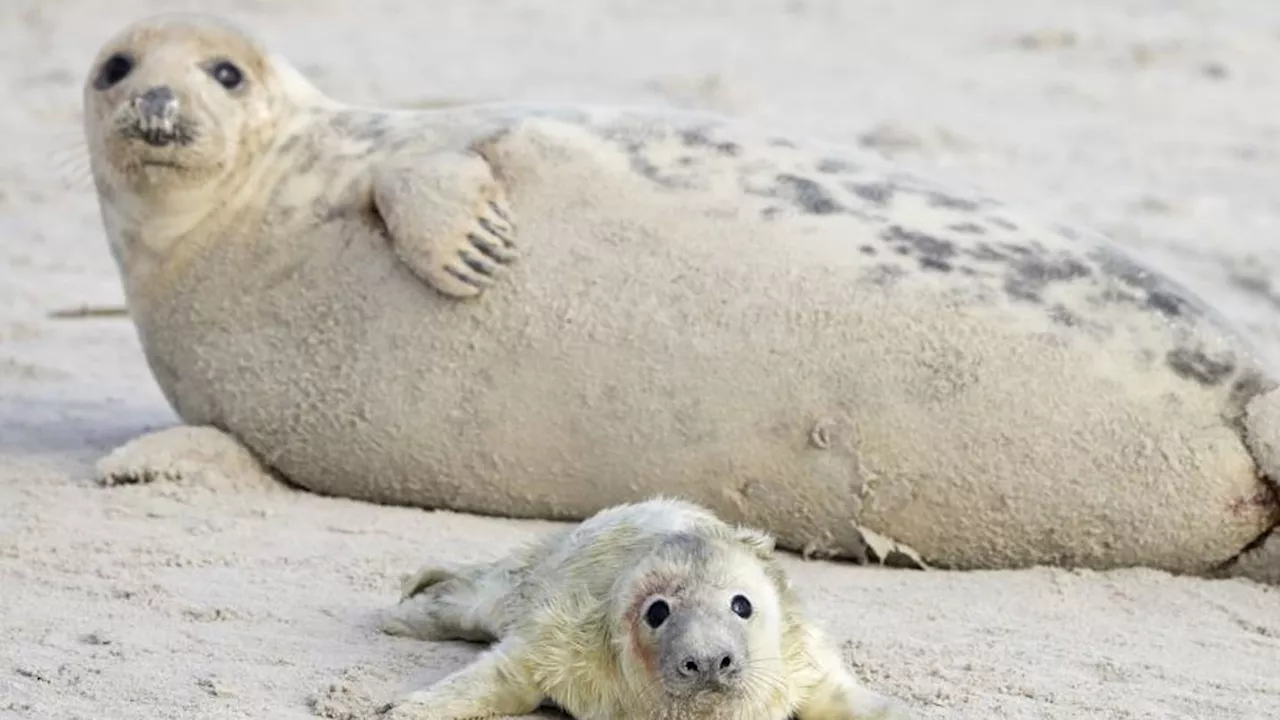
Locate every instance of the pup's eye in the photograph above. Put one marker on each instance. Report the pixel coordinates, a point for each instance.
(227, 74)
(115, 69)
(657, 614)
(741, 606)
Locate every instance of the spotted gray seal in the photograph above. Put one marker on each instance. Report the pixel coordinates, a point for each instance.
(544, 311)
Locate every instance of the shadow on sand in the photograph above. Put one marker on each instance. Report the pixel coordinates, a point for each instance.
(73, 430)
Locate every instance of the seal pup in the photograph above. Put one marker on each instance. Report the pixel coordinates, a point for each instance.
(652, 610)
(545, 311)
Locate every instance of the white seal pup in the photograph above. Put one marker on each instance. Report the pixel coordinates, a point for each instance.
(546, 311)
(655, 611)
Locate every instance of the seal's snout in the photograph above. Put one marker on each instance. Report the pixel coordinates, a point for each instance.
(713, 669)
(157, 111)
(703, 653)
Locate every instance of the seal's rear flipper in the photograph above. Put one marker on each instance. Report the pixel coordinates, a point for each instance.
(1262, 434)
(1261, 559)
(1259, 562)
(441, 603)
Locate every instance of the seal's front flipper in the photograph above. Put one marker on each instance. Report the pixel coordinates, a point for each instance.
(492, 686)
(448, 219)
(196, 455)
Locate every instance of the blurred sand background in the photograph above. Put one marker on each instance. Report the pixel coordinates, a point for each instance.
(1155, 120)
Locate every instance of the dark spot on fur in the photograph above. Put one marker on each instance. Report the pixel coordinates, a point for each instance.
(1193, 364)
(1029, 276)
(695, 138)
(1028, 269)
(1158, 293)
(698, 139)
(307, 160)
(1247, 386)
(1117, 296)
(933, 253)
(1123, 269)
(877, 193)
(1166, 303)
(1060, 315)
(781, 142)
(376, 129)
(937, 199)
(867, 250)
(641, 165)
(968, 228)
(884, 275)
(808, 195)
(835, 165)
(290, 144)
(685, 160)
(983, 252)
(1002, 223)
(769, 212)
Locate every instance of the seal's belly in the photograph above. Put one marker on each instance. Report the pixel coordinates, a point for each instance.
(799, 370)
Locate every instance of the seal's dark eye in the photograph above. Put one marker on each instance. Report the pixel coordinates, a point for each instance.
(741, 606)
(227, 74)
(657, 614)
(115, 69)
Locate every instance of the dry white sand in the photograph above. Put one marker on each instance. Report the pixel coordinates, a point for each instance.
(1157, 120)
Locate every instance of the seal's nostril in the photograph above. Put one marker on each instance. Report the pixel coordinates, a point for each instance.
(726, 662)
(690, 666)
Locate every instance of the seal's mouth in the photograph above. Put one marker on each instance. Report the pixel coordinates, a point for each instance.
(176, 134)
(166, 164)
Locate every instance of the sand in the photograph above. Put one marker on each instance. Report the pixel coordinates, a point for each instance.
(214, 598)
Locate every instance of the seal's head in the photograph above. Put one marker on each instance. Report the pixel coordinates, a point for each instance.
(701, 628)
(176, 102)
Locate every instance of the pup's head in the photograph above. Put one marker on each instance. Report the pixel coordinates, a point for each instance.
(703, 626)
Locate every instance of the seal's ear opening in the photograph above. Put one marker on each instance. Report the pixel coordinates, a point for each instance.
(757, 541)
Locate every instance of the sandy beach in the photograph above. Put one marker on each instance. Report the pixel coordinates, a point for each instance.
(1156, 121)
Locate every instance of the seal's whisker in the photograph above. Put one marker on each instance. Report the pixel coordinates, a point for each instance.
(70, 161)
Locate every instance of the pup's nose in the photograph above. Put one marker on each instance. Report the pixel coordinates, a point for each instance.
(709, 668)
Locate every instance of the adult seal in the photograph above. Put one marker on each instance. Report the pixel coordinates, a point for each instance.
(656, 610)
(545, 311)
